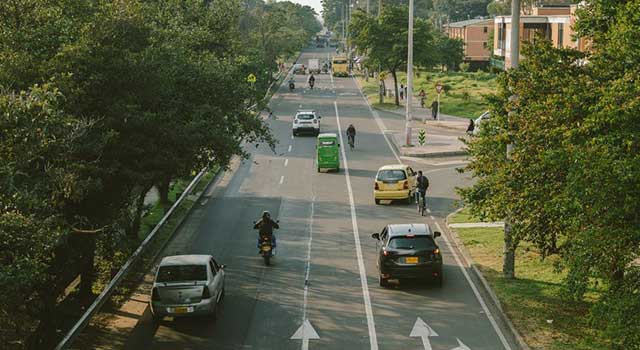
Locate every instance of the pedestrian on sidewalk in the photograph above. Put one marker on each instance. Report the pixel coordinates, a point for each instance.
(434, 109)
(405, 89)
(423, 96)
(401, 91)
(471, 126)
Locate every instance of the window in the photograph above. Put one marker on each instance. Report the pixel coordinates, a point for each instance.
(305, 116)
(327, 142)
(485, 29)
(178, 273)
(500, 38)
(560, 34)
(392, 175)
(414, 243)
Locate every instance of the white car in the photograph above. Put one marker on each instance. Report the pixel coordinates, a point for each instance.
(187, 285)
(483, 117)
(306, 121)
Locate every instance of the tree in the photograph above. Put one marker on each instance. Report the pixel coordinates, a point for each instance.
(450, 51)
(571, 186)
(385, 40)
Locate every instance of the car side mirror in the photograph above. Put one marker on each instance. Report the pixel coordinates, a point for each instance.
(376, 236)
(437, 234)
(254, 222)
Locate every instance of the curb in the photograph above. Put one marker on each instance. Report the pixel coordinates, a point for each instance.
(469, 261)
(433, 154)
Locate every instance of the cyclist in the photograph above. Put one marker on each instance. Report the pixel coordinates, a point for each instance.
(351, 135)
(422, 185)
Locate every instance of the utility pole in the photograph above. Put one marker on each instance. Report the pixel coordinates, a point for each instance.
(509, 262)
(409, 76)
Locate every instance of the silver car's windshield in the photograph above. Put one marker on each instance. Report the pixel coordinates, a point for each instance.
(179, 273)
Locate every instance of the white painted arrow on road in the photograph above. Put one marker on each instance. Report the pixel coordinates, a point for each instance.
(422, 330)
(461, 346)
(305, 332)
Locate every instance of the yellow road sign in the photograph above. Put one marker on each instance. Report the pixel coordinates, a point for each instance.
(251, 78)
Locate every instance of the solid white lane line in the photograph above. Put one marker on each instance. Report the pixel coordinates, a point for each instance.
(281, 179)
(289, 150)
(373, 338)
(286, 162)
(475, 290)
(379, 122)
(307, 269)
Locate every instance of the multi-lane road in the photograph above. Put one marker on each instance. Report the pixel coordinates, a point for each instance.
(322, 291)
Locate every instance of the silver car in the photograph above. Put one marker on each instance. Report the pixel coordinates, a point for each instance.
(187, 285)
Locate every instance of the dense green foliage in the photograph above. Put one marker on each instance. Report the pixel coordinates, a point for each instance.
(572, 186)
(384, 42)
(101, 100)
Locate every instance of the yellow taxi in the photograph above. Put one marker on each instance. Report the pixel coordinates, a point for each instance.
(397, 181)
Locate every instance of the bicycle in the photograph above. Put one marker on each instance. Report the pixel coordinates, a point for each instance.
(421, 201)
(352, 141)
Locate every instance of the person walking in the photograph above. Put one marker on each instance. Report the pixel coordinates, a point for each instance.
(434, 109)
(401, 91)
(423, 96)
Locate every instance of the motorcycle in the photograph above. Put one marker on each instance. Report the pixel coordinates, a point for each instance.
(292, 86)
(266, 250)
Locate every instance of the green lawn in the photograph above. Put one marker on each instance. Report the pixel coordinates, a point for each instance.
(534, 300)
(463, 95)
(462, 216)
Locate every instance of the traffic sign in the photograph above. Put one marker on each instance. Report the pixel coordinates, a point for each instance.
(421, 137)
(439, 87)
(382, 75)
(251, 78)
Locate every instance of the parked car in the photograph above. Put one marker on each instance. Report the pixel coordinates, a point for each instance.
(306, 121)
(408, 251)
(393, 182)
(478, 122)
(187, 285)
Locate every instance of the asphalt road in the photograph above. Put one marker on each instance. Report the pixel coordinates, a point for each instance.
(325, 270)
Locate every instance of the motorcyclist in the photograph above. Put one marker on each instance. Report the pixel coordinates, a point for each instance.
(265, 228)
(311, 80)
(292, 84)
(422, 184)
(351, 133)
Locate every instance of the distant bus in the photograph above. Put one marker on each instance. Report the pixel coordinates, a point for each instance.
(340, 66)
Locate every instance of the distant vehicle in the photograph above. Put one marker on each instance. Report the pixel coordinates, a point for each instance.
(408, 251)
(187, 285)
(299, 69)
(478, 122)
(394, 182)
(314, 66)
(340, 66)
(328, 152)
(306, 121)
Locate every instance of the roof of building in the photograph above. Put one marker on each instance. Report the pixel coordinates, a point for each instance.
(469, 22)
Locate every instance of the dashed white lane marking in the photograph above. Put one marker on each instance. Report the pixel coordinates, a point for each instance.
(307, 268)
(475, 290)
(373, 338)
(286, 162)
(281, 179)
(289, 150)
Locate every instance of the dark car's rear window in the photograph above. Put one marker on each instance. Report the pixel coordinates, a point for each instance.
(178, 273)
(391, 175)
(416, 243)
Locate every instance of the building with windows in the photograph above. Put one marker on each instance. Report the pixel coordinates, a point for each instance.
(475, 34)
(552, 22)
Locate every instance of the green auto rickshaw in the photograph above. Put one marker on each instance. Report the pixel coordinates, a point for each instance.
(328, 150)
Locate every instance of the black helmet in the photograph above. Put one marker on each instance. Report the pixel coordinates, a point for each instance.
(266, 214)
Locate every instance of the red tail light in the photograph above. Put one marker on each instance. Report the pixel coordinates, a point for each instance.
(205, 293)
(405, 185)
(385, 252)
(377, 187)
(155, 296)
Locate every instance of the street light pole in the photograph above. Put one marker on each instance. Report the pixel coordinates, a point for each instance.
(509, 262)
(409, 76)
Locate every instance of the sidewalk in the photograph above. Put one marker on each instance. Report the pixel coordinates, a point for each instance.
(442, 136)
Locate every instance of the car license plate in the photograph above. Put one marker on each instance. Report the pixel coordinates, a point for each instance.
(411, 260)
(182, 309)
